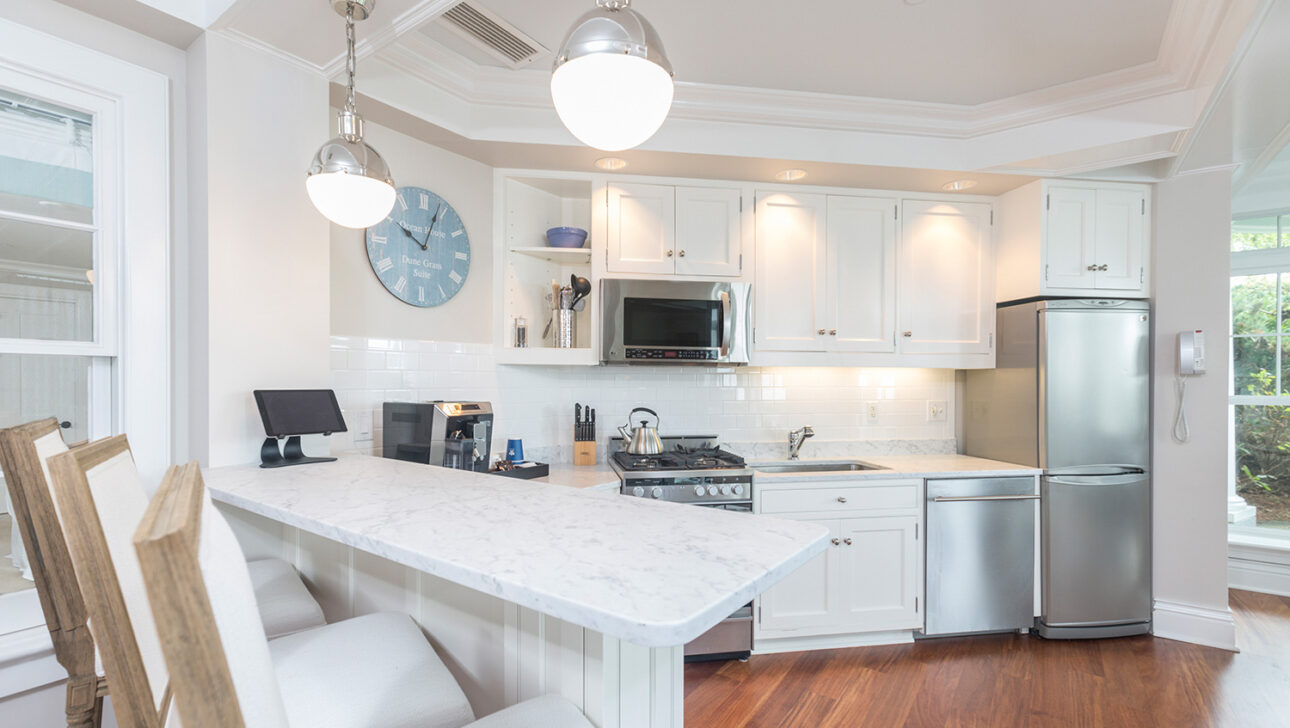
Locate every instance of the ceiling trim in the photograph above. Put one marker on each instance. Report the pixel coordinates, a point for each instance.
(412, 18)
(1085, 168)
(1249, 171)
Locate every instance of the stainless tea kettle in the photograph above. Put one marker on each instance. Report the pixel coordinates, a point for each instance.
(643, 440)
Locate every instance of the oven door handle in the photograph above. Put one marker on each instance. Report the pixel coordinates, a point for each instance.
(725, 324)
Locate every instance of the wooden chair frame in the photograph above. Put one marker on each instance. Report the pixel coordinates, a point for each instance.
(168, 542)
(52, 569)
(132, 697)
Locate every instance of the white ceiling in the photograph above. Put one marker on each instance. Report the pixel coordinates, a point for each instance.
(943, 51)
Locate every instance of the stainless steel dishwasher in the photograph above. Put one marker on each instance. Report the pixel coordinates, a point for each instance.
(980, 555)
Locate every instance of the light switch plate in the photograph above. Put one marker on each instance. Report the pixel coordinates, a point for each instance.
(936, 410)
(871, 410)
(362, 427)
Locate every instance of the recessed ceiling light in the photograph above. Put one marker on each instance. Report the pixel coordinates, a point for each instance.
(611, 163)
(959, 185)
(790, 175)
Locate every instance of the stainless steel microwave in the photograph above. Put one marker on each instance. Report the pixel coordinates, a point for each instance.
(675, 322)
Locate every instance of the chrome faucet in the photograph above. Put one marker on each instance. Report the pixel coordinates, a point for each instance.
(796, 438)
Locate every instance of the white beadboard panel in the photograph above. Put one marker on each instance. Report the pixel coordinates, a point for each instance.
(739, 404)
(327, 567)
(381, 585)
(260, 537)
(467, 629)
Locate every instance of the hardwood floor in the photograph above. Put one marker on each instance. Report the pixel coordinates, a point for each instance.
(1012, 681)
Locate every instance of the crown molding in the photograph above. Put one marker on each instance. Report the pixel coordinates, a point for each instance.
(250, 41)
(409, 20)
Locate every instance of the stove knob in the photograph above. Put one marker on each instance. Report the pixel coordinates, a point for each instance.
(712, 490)
(657, 492)
(698, 490)
(725, 490)
(638, 491)
(739, 490)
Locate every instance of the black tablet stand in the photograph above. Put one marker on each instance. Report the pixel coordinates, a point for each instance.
(291, 454)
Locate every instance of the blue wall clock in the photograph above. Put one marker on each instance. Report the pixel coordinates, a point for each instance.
(420, 251)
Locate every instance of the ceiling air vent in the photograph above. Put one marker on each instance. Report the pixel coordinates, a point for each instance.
(493, 35)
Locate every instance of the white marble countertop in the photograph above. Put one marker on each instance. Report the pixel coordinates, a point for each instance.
(901, 466)
(655, 574)
(595, 477)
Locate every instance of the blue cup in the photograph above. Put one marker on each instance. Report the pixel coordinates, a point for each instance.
(515, 450)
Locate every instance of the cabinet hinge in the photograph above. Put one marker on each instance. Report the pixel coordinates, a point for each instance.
(1144, 206)
(915, 605)
(991, 341)
(895, 212)
(1045, 272)
(741, 261)
(992, 217)
(758, 614)
(1142, 276)
(1048, 202)
(915, 531)
(754, 334)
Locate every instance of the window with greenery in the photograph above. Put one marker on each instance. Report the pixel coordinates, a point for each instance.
(1261, 367)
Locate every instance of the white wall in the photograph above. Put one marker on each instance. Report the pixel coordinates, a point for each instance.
(360, 305)
(750, 408)
(1191, 263)
(260, 252)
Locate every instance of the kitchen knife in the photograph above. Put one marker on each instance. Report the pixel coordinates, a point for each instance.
(577, 422)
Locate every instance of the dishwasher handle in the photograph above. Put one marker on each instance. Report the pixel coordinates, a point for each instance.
(972, 498)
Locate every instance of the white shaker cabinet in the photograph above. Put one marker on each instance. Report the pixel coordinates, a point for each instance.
(826, 273)
(792, 257)
(660, 229)
(869, 579)
(642, 228)
(709, 239)
(1074, 238)
(946, 278)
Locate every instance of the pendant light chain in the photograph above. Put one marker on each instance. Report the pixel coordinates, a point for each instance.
(613, 4)
(350, 62)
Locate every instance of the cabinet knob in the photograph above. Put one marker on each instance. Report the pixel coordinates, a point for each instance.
(908, 334)
(835, 541)
(820, 332)
(1102, 267)
(1092, 267)
(669, 254)
(842, 499)
(846, 541)
(833, 332)
(682, 253)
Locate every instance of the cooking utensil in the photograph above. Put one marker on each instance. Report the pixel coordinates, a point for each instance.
(581, 288)
(643, 440)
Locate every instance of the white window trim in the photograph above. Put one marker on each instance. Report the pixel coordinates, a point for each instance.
(137, 115)
(1251, 263)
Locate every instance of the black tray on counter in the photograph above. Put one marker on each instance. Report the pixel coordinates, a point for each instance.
(526, 472)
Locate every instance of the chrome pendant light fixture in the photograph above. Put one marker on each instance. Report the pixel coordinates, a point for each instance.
(348, 181)
(612, 82)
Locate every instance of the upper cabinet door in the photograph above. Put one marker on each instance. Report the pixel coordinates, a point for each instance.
(861, 278)
(1121, 237)
(708, 231)
(1070, 232)
(946, 278)
(642, 229)
(791, 259)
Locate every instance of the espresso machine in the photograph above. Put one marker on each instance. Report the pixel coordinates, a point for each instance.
(449, 434)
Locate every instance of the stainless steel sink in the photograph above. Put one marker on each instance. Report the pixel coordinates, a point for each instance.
(816, 466)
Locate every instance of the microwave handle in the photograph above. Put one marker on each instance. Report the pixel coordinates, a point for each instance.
(725, 324)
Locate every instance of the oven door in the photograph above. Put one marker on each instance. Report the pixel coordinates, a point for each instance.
(687, 322)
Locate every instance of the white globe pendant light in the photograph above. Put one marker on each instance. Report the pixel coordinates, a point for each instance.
(612, 82)
(348, 181)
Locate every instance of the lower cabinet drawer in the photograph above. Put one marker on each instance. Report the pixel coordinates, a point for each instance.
(841, 499)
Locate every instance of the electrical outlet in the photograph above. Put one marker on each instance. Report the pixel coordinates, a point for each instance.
(871, 413)
(936, 410)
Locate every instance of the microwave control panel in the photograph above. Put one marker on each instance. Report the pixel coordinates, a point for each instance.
(635, 352)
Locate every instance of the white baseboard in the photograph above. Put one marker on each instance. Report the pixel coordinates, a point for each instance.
(1198, 625)
(1259, 566)
(768, 646)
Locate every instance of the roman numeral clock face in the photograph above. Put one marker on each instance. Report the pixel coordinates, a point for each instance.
(420, 251)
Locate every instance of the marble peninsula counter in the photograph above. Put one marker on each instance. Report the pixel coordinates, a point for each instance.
(649, 573)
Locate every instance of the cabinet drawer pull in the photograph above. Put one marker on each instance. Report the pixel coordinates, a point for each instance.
(1092, 267)
(846, 541)
(1102, 267)
(835, 541)
(842, 499)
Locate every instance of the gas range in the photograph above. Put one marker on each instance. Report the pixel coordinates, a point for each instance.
(692, 470)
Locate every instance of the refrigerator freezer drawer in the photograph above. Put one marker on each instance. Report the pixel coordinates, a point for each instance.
(980, 555)
(1096, 550)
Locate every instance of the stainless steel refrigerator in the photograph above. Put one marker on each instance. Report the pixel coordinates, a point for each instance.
(1071, 394)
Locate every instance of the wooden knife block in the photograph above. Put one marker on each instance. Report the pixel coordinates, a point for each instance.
(584, 452)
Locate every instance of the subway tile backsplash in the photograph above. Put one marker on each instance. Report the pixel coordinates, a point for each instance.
(855, 411)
